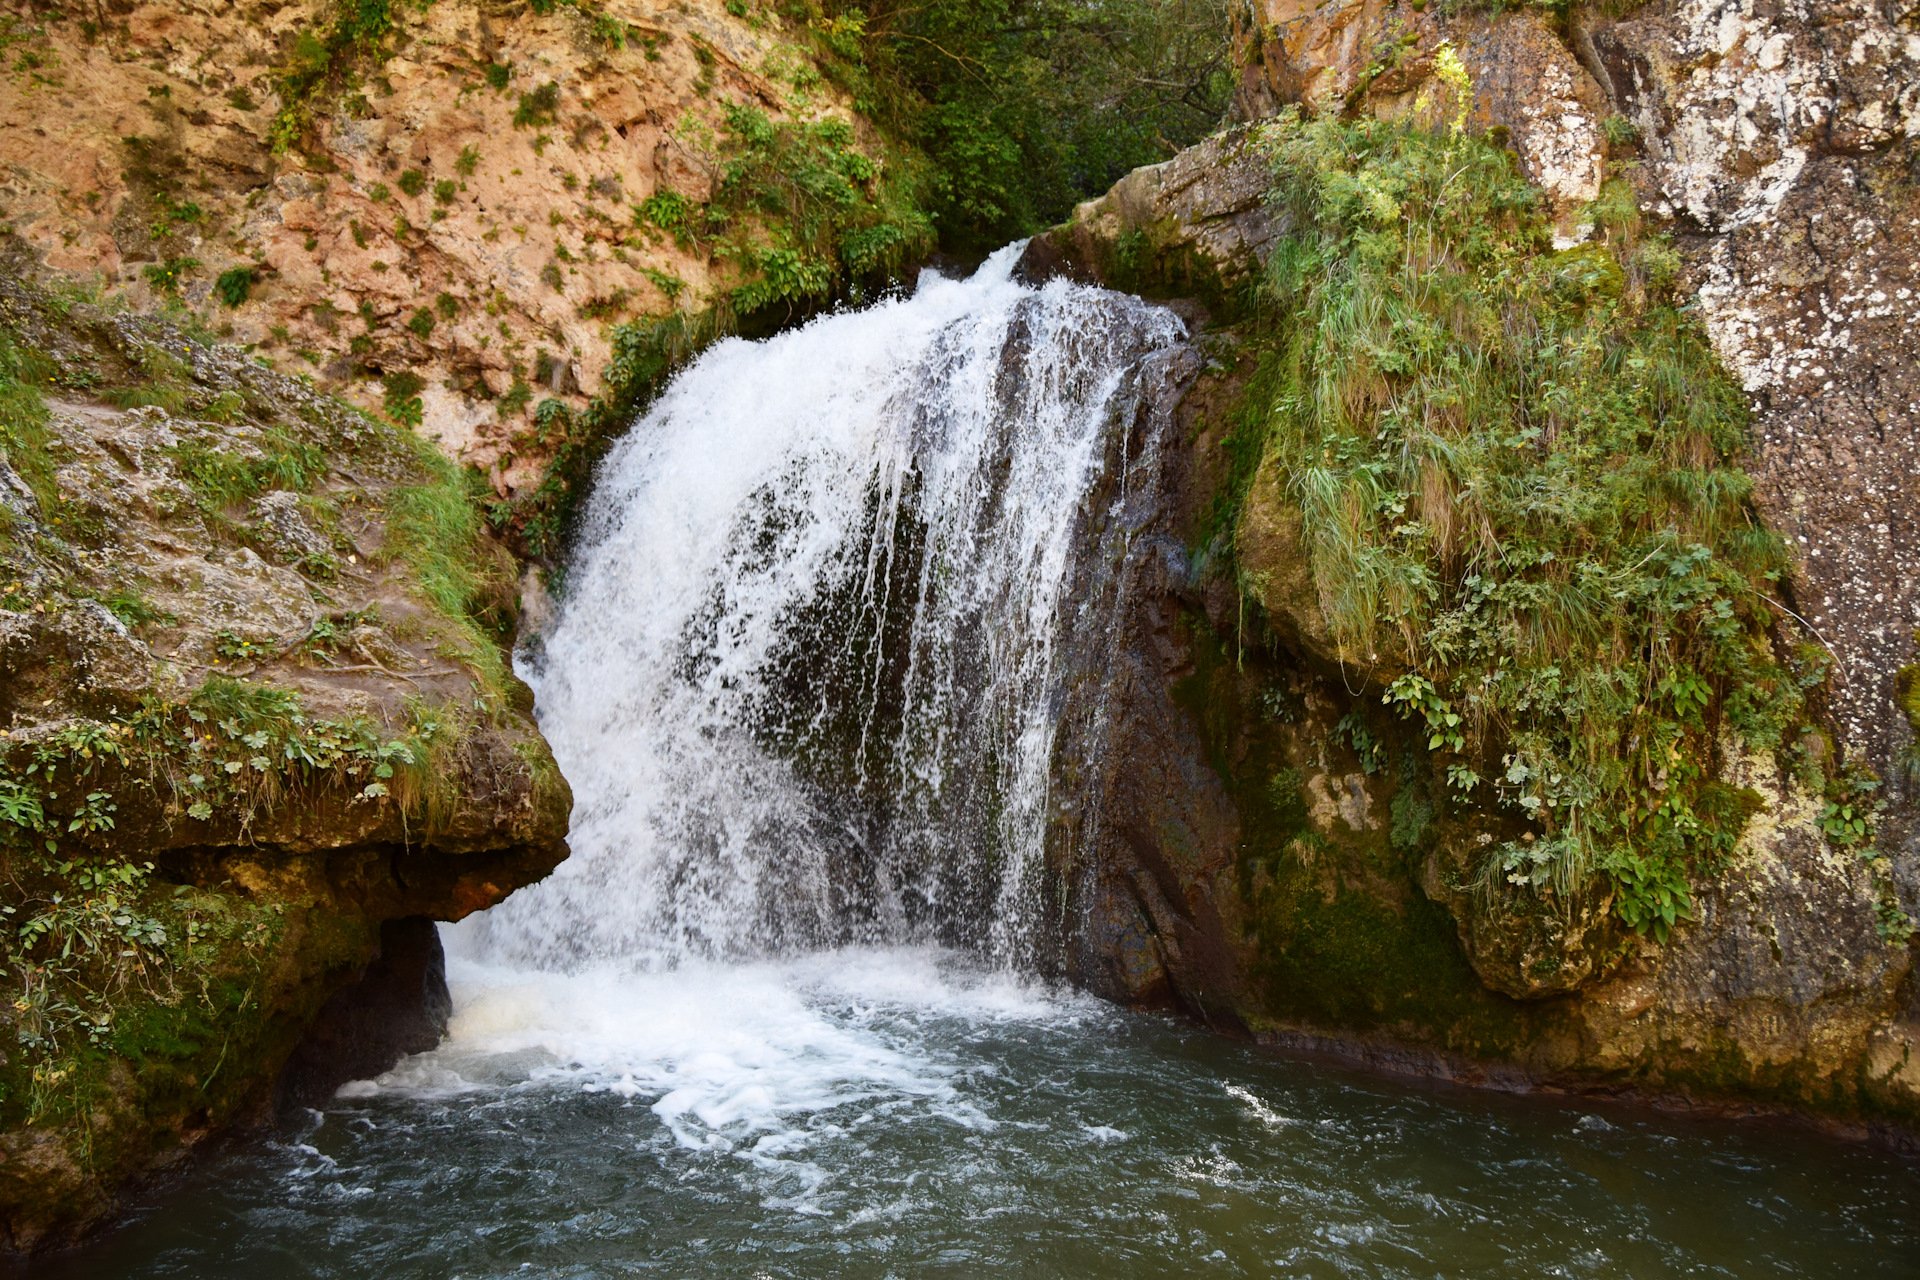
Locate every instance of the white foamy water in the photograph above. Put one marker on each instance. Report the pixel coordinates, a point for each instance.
(743, 1058)
(804, 683)
(804, 679)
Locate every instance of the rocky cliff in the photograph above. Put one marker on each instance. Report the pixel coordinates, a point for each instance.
(256, 732)
(1284, 855)
(443, 211)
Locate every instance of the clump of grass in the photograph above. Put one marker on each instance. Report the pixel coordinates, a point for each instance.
(435, 529)
(1522, 466)
(24, 437)
(540, 107)
(224, 478)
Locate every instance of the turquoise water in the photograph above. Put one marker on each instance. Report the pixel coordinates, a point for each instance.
(900, 1113)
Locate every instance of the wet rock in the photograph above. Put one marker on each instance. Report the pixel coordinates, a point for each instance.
(284, 528)
(399, 1005)
(141, 592)
(1522, 942)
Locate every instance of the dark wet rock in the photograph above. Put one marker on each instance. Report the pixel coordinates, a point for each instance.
(398, 1006)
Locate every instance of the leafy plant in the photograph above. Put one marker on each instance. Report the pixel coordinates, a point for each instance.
(401, 396)
(233, 285)
(540, 107)
(1518, 470)
(323, 61)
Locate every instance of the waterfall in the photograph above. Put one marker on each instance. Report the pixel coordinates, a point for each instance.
(806, 678)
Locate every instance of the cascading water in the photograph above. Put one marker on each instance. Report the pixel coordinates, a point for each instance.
(837, 620)
(805, 681)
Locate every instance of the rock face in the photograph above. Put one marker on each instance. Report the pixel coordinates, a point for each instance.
(1781, 141)
(255, 734)
(1194, 227)
(463, 210)
(1271, 856)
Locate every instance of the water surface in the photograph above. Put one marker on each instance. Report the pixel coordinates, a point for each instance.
(900, 1112)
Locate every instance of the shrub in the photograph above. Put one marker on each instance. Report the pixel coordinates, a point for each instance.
(413, 182)
(402, 396)
(537, 108)
(234, 285)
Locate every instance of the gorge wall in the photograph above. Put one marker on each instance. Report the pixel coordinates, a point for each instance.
(1278, 854)
(453, 205)
(257, 727)
(256, 733)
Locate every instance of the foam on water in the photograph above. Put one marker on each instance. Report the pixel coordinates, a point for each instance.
(803, 683)
(766, 1061)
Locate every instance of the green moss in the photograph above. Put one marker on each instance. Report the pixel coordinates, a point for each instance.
(1352, 959)
(23, 430)
(1521, 466)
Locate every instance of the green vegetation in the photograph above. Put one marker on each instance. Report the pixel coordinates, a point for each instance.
(1519, 468)
(234, 285)
(537, 108)
(435, 529)
(105, 952)
(646, 352)
(401, 398)
(222, 479)
(166, 276)
(327, 62)
(1024, 107)
(24, 441)
(809, 213)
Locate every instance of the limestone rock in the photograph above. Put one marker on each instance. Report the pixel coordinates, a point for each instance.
(145, 136)
(140, 590)
(1195, 226)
